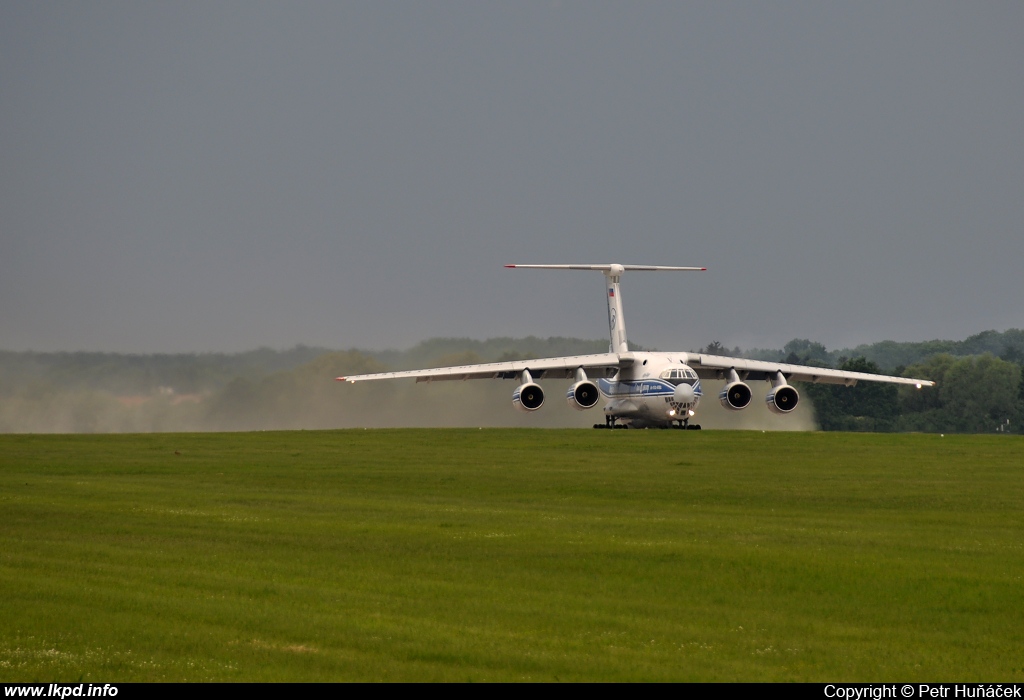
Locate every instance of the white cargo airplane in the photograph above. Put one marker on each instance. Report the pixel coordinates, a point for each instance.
(643, 389)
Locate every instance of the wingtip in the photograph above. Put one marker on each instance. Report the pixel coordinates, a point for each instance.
(512, 266)
(339, 379)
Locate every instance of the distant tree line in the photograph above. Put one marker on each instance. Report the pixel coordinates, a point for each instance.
(980, 384)
(980, 387)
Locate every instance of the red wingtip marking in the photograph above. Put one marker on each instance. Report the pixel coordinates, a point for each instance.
(510, 266)
(339, 379)
(703, 268)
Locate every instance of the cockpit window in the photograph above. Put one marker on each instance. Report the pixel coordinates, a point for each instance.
(679, 375)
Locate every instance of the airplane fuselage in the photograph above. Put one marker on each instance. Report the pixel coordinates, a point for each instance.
(659, 389)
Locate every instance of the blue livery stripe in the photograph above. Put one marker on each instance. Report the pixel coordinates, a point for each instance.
(641, 388)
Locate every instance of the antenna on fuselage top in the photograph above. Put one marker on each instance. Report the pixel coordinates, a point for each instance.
(613, 272)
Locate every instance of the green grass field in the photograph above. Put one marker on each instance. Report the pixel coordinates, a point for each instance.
(512, 555)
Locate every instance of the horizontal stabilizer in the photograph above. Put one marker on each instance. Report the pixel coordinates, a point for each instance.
(613, 274)
(611, 268)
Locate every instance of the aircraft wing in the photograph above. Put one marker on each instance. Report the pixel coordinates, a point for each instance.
(717, 367)
(596, 366)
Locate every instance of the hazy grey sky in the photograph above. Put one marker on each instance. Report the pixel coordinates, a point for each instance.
(195, 176)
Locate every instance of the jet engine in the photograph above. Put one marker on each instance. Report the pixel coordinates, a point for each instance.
(736, 395)
(527, 396)
(782, 398)
(582, 395)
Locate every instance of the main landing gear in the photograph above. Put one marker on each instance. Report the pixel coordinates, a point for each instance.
(610, 424)
(685, 425)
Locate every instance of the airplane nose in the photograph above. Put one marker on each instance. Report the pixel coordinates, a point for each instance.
(684, 394)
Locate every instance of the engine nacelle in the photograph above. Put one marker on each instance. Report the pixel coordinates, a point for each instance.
(528, 397)
(782, 399)
(735, 396)
(583, 395)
